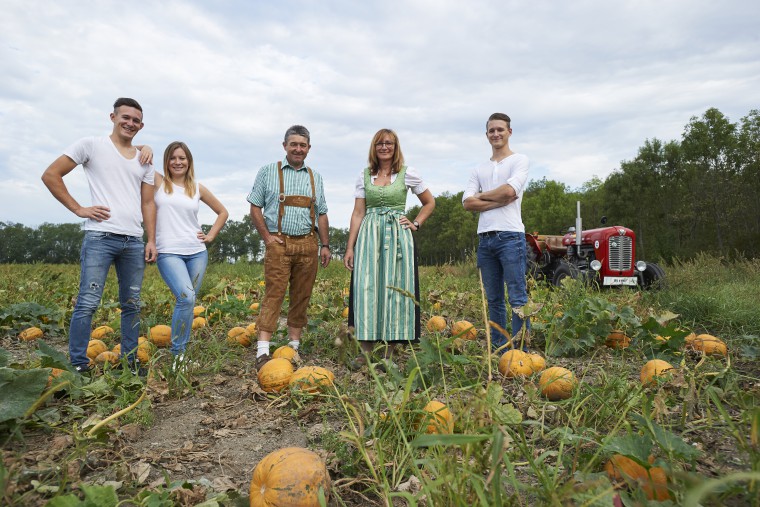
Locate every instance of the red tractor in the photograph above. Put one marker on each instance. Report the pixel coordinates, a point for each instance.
(604, 256)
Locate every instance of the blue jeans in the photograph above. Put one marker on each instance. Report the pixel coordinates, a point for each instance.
(184, 275)
(99, 251)
(502, 260)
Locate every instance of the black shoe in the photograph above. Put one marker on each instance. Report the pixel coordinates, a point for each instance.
(261, 361)
(134, 368)
(82, 370)
(385, 365)
(358, 363)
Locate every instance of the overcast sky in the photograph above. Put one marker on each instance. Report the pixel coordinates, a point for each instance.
(585, 82)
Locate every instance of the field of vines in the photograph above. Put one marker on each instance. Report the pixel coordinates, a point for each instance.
(690, 435)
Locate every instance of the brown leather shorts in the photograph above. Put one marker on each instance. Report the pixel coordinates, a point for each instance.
(292, 264)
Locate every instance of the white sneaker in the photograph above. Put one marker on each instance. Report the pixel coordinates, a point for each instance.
(181, 364)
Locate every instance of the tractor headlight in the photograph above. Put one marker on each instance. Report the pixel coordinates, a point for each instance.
(596, 264)
(641, 266)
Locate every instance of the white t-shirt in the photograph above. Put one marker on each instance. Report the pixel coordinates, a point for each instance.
(177, 221)
(513, 171)
(115, 182)
(412, 181)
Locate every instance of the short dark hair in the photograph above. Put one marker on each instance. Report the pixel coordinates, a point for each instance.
(297, 130)
(124, 101)
(500, 116)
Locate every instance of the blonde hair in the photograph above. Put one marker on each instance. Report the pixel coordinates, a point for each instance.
(398, 157)
(189, 182)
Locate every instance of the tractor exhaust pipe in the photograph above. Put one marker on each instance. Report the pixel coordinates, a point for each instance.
(578, 228)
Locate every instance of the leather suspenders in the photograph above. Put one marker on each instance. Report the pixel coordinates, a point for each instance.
(300, 201)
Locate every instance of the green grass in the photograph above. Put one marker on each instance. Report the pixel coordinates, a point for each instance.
(510, 445)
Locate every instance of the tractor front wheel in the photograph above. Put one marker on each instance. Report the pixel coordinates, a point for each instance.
(653, 277)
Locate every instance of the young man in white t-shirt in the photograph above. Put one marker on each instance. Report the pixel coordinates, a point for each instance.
(120, 178)
(495, 189)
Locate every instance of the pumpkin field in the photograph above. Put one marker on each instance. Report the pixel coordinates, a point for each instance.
(624, 398)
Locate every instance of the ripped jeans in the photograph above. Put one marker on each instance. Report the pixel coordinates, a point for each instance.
(100, 250)
(502, 261)
(184, 276)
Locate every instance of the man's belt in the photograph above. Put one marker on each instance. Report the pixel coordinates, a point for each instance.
(300, 201)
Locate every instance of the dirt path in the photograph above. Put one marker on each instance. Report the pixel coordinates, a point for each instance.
(214, 433)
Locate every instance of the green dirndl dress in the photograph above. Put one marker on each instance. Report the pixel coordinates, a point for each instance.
(384, 282)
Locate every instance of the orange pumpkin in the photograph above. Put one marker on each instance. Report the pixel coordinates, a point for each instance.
(617, 340)
(101, 332)
(515, 363)
(464, 330)
(254, 307)
(30, 333)
(198, 310)
(238, 336)
(285, 352)
(436, 324)
(653, 369)
(199, 322)
(311, 378)
(653, 482)
(160, 335)
(655, 485)
(439, 418)
(292, 476)
(275, 375)
(94, 348)
(538, 363)
(620, 467)
(54, 373)
(344, 314)
(107, 356)
(251, 329)
(557, 383)
(709, 345)
(143, 350)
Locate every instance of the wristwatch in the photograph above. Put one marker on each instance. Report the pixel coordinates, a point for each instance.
(416, 224)
(325, 246)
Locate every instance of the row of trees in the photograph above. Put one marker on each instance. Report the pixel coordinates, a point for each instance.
(699, 194)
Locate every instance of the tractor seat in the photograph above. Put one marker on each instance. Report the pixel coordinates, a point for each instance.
(554, 244)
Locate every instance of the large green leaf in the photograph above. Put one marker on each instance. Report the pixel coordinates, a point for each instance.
(636, 447)
(94, 496)
(19, 389)
(667, 440)
(51, 358)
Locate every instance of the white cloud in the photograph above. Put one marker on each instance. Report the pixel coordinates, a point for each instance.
(586, 83)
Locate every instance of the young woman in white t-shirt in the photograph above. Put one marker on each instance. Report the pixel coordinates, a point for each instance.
(180, 242)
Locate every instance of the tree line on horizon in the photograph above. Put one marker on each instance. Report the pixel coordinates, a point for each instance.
(681, 198)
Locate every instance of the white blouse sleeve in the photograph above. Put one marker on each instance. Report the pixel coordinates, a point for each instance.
(359, 187)
(414, 182)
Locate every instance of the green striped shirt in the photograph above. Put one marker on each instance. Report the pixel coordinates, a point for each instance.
(266, 191)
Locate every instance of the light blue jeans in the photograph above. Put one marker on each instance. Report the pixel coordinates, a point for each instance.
(99, 251)
(184, 275)
(502, 260)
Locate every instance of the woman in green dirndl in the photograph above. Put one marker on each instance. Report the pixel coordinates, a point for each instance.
(381, 251)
